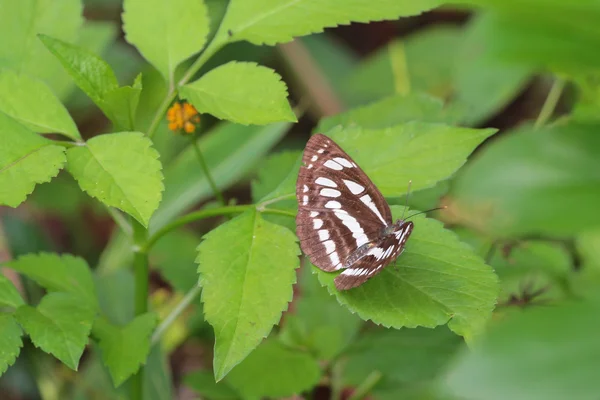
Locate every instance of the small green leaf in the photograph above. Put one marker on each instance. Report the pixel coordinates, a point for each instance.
(242, 92)
(59, 273)
(550, 353)
(436, 280)
(166, 32)
(390, 111)
(203, 382)
(60, 325)
(32, 103)
(121, 170)
(125, 349)
(25, 159)
(9, 295)
(121, 104)
(423, 153)
(533, 181)
(247, 268)
(271, 22)
(10, 341)
(92, 74)
(21, 21)
(289, 371)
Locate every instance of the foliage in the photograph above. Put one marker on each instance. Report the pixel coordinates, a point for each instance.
(82, 123)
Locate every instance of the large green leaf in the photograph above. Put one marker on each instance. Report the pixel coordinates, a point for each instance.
(10, 341)
(436, 280)
(96, 78)
(543, 181)
(423, 153)
(59, 273)
(554, 34)
(483, 86)
(9, 295)
(230, 152)
(121, 170)
(409, 361)
(289, 371)
(21, 51)
(247, 268)
(166, 32)
(25, 159)
(548, 353)
(241, 92)
(32, 103)
(272, 21)
(60, 325)
(125, 349)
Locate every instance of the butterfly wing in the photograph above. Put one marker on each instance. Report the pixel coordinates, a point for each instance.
(376, 258)
(339, 208)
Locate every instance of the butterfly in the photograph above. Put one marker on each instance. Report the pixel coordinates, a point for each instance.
(343, 221)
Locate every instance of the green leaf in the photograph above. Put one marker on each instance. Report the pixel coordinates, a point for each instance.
(436, 280)
(125, 349)
(121, 104)
(158, 382)
(121, 170)
(390, 111)
(319, 322)
(32, 103)
(241, 92)
(10, 341)
(272, 171)
(541, 33)
(587, 279)
(247, 268)
(9, 295)
(423, 153)
(25, 159)
(289, 371)
(483, 86)
(429, 55)
(546, 353)
(174, 256)
(92, 74)
(60, 325)
(21, 51)
(230, 151)
(399, 356)
(166, 33)
(203, 382)
(59, 273)
(533, 181)
(271, 21)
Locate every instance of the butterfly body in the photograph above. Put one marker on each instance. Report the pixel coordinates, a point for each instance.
(343, 220)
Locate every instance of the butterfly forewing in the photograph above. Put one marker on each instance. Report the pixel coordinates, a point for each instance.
(339, 208)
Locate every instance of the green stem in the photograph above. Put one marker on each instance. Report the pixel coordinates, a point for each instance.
(261, 206)
(120, 220)
(140, 270)
(179, 308)
(206, 171)
(366, 386)
(550, 103)
(67, 143)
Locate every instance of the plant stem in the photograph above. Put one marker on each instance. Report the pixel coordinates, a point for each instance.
(366, 386)
(550, 103)
(120, 220)
(261, 206)
(179, 308)
(206, 171)
(140, 270)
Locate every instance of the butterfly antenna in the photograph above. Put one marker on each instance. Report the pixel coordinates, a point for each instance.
(426, 211)
(406, 202)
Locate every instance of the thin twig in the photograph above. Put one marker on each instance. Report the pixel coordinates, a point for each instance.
(206, 171)
(120, 220)
(550, 103)
(174, 314)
